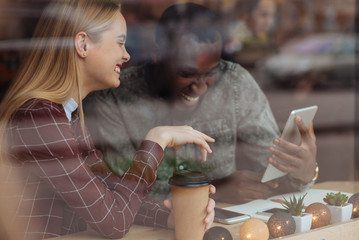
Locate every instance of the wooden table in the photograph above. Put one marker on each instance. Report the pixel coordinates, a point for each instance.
(345, 231)
(344, 186)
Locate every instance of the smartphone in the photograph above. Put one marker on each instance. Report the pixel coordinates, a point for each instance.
(270, 211)
(229, 217)
(291, 134)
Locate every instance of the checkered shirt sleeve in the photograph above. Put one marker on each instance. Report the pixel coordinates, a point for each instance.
(63, 170)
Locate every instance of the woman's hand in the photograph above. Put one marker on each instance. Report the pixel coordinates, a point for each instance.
(299, 161)
(175, 136)
(208, 220)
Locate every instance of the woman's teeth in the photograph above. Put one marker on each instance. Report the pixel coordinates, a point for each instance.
(117, 69)
(188, 98)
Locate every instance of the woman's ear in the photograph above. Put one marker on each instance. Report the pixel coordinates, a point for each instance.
(81, 44)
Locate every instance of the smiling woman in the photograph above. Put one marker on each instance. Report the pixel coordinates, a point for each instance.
(101, 59)
(45, 148)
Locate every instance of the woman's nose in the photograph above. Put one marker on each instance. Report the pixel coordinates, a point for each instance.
(126, 56)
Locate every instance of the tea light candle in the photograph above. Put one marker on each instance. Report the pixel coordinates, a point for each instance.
(254, 229)
(354, 199)
(320, 214)
(281, 224)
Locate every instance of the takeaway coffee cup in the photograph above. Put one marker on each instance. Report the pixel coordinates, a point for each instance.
(190, 192)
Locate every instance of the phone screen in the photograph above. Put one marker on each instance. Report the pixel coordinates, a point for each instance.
(271, 211)
(229, 217)
(274, 210)
(221, 213)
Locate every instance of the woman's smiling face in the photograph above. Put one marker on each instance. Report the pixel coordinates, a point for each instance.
(195, 66)
(105, 57)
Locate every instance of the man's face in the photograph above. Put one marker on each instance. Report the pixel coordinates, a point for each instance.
(195, 66)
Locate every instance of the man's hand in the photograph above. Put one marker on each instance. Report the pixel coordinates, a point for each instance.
(299, 161)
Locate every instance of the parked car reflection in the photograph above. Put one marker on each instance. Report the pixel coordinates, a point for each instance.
(319, 60)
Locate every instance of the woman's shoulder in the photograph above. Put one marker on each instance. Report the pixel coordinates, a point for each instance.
(39, 105)
(39, 108)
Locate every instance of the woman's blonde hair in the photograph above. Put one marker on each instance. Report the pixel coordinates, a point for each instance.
(50, 69)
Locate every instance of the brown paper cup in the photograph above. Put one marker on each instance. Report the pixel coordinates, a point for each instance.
(189, 204)
(189, 208)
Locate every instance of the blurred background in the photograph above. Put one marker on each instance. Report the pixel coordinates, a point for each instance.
(301, 53)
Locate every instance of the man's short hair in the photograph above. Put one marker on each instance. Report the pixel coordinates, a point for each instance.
(186, 18)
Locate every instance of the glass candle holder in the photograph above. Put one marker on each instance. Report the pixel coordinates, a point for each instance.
(281, 224)
(217, 233)
(354, 199)
(321, 215)
(254, 229)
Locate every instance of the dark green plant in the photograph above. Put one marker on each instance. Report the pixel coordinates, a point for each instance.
(294, 206)
(119, 164)
(336, 199)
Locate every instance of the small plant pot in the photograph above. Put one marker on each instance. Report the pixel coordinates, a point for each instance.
(340, 213)
(303, 223)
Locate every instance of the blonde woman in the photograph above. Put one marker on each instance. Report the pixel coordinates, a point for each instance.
(79, 47)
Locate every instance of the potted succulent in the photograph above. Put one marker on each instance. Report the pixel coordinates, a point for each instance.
(294, 206)
(339, 207)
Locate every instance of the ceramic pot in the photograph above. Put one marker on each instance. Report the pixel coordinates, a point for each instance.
(340, 213)
(303, 223)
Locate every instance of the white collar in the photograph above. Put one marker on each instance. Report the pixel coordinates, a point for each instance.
(70, 106)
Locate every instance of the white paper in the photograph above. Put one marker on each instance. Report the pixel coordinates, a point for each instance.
(251, 208)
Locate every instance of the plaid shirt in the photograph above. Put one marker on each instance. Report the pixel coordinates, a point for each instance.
(65, 183)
